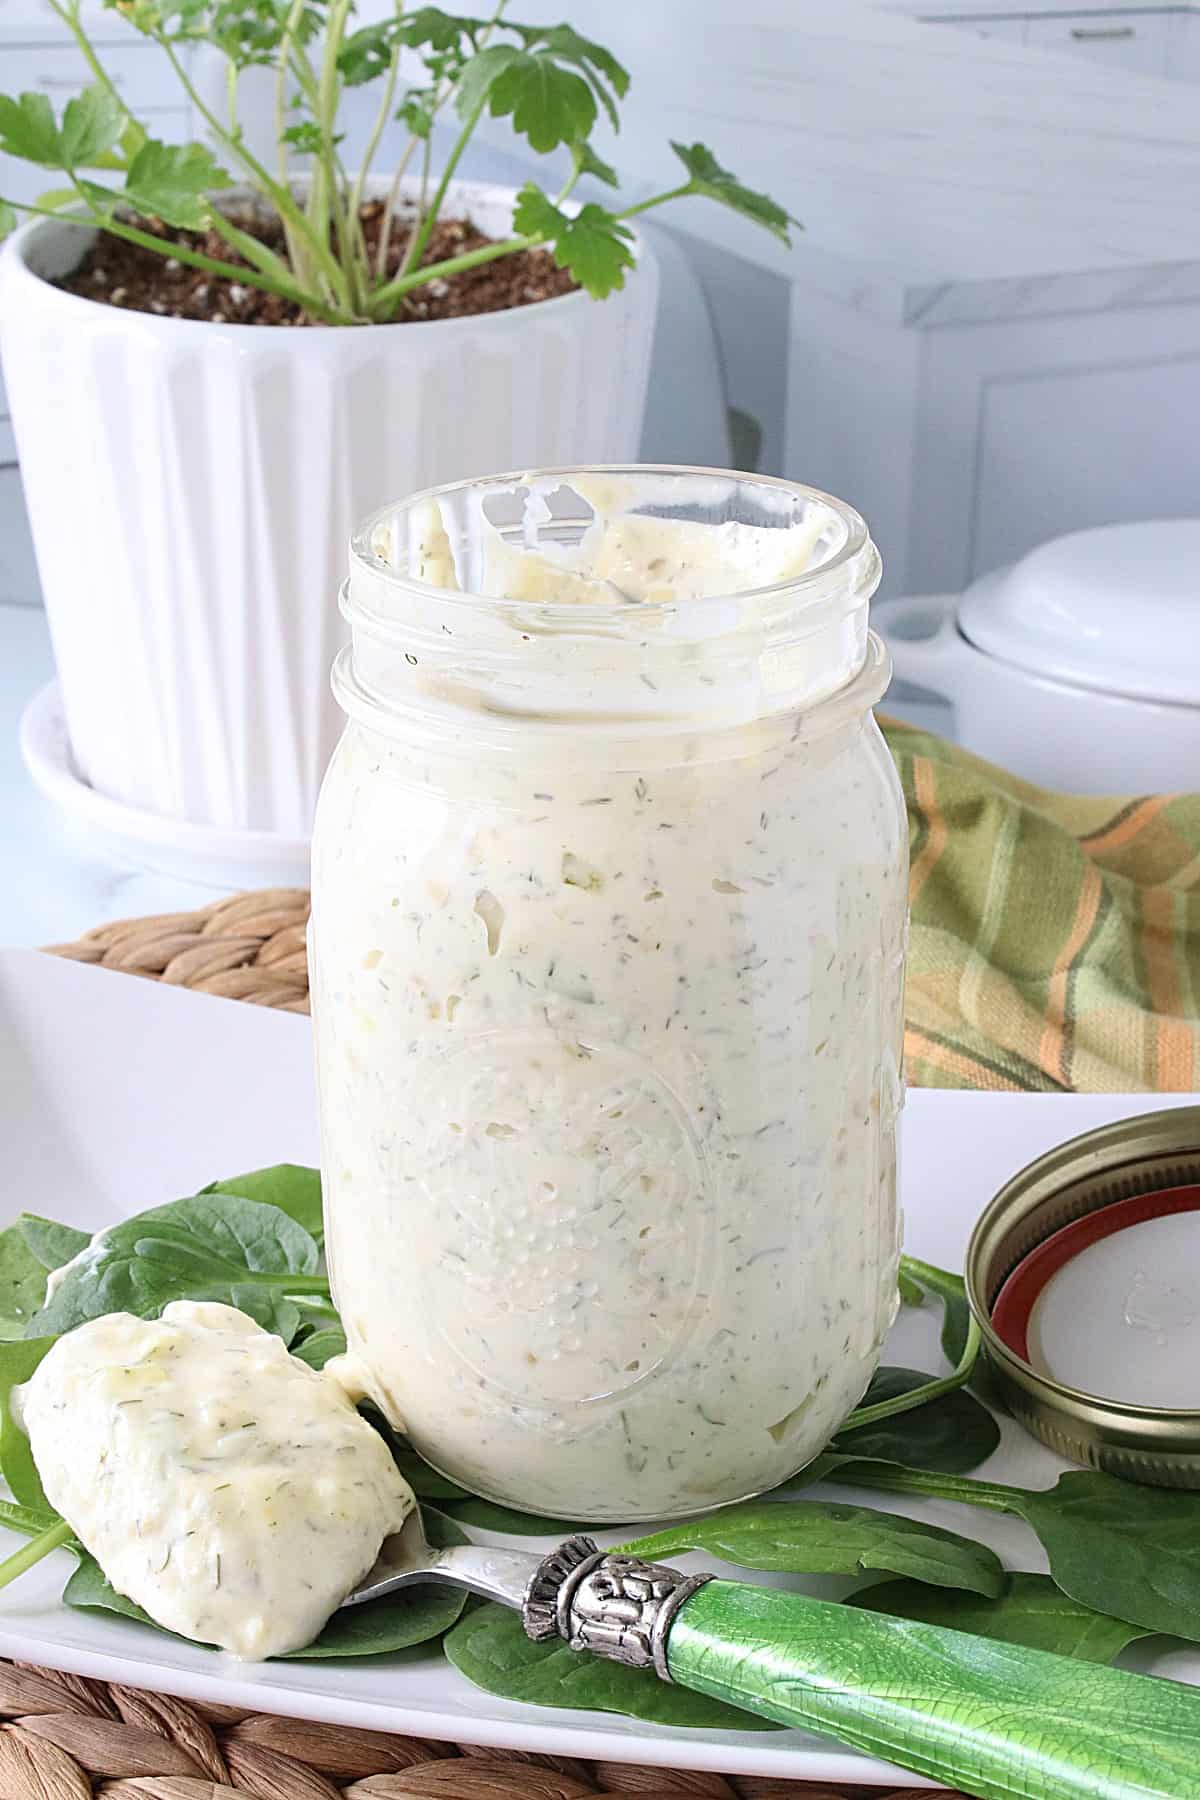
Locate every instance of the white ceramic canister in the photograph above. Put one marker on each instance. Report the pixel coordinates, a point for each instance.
(609, 902)
(1077, 667)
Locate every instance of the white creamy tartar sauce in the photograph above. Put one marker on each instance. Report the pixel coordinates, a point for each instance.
(230, 1491)
(609, 1064)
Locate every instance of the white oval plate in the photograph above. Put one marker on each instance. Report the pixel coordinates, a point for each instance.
(116, 1095)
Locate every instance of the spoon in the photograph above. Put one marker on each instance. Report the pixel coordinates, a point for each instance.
(998, 1720)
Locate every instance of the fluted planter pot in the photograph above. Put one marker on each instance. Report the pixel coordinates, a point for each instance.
(191, 489)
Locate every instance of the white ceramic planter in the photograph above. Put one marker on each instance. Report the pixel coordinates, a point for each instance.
(192, 487)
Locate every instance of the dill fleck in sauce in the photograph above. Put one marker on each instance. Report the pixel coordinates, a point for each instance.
(608, 1034)
(226, 1488)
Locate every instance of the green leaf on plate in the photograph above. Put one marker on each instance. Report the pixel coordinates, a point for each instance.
(951, 1292)
(320, 1346)
(17, 1363)
(954, 1432)
(22, 1284)
(412, 1616)
(1031, 1611)
(1126, 1550)
(294, 1189)
(815, 1537)
(490, 1648)
(52, 1244)
(210, 1247)
(911, 1292)
(424, 1480)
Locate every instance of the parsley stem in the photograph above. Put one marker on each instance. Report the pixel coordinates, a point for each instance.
(284, 203)
(210, 264)
(415, 248)
(69, 14)
(383, 300)
(53, 1538)
(677, 193)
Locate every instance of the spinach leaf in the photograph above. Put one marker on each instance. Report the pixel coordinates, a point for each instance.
(53, 1244)
(424, 1480)
(951, 1291)
(294, 1189)
(210, 1247)
(911, 1292)
(816, 1537)
(22, 1283)
(412, 1616)
(17, 1363)
(954, 1432)
(319, 1346)
(1130, 1551)
(1031, 1611)
(488, 1515)
(32, 1520)
(89, 1590)
(490, 1648)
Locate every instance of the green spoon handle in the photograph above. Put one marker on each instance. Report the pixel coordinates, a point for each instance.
(997, 1720)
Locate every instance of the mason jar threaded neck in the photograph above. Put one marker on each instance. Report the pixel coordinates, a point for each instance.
(607, 597)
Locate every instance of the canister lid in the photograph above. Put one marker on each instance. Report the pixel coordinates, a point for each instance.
(1084, 1276)
(1116, 609)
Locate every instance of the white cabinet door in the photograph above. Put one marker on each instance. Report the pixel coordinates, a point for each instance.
(1012, 30)
(1183, 47)
(1134, 41)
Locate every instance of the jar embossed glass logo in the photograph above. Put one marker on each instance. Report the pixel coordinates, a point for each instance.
(565, 1186)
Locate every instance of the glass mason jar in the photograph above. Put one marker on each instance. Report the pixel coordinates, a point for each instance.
(609, 916)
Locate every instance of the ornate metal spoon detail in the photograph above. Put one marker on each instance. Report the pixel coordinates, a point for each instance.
(997, 1720)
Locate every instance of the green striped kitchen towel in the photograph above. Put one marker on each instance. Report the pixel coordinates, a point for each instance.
(1055, 937)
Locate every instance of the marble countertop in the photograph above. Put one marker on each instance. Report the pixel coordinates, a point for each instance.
(941, 178)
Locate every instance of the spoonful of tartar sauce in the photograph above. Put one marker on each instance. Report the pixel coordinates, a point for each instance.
(226, 1488)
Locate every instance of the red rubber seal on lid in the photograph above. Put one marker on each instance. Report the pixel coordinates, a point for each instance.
(1015, 1302)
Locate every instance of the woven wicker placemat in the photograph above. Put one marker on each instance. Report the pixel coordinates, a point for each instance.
(72, 1739)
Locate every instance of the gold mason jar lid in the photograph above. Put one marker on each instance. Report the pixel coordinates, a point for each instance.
(1090, 1326)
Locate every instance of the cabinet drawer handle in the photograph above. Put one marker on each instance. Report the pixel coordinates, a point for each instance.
(71, 81)
(1089, 34)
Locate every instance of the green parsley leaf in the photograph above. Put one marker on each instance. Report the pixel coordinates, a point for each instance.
(28, 130)
(307, 137)
(172, 182)
(591, 164)
(430, 27)
(549, 105)
(604, 74)
(707, 177)
(594, 244)
(365, 54)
